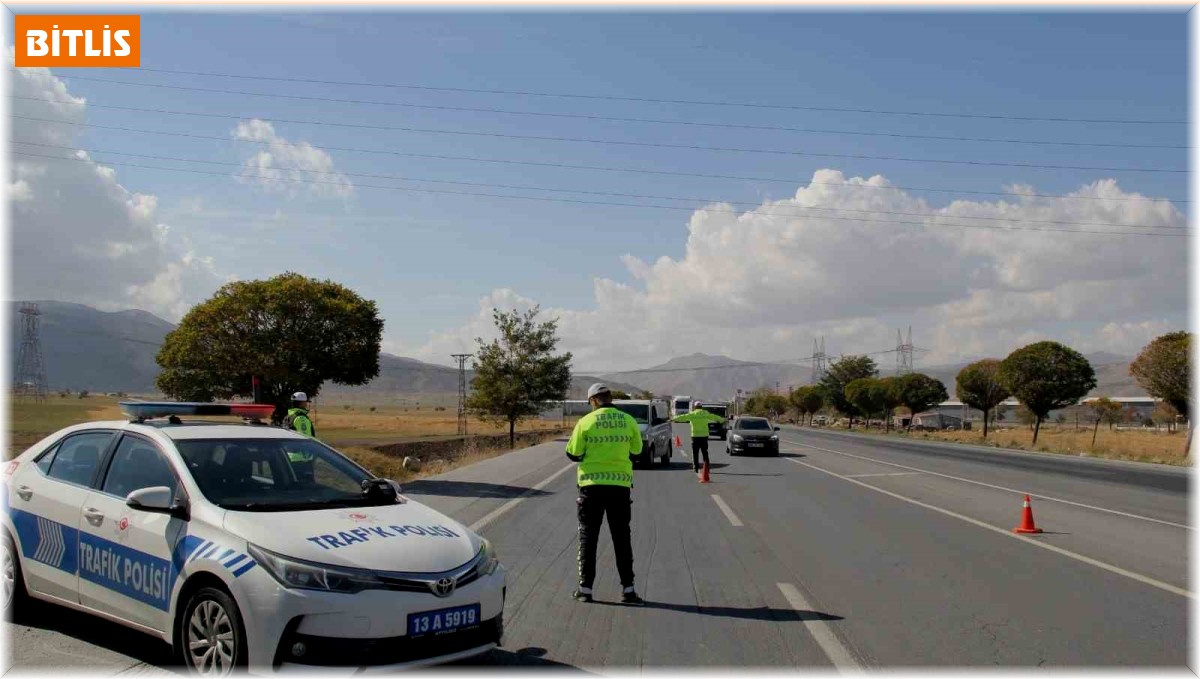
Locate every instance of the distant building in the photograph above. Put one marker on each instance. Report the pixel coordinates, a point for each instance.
(929, 419)
(1142, 405)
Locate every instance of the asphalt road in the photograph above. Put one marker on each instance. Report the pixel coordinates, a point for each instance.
(845, 551)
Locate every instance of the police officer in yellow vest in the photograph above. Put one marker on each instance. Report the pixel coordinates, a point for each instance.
(603, 443)
(699, 419)
(298, 420)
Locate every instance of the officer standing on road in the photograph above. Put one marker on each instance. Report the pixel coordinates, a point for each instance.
(604, 443)
(699, 419)
(298, 420)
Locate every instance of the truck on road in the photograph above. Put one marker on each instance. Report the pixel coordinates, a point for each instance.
(681, 405)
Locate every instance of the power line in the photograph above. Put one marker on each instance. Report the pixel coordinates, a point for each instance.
(609, 142)
(740, 364)
(1183, 234)
(609, 193)
(689, 102)
(620, 119)
(598, 168)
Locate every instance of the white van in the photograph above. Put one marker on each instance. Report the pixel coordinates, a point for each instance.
(681, 405)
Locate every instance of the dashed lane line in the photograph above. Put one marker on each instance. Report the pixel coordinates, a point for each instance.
(975, 522)
(727, 511)
(862, 476)
(993, 486)
(834, 649)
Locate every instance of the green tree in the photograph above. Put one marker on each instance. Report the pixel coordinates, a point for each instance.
(618, 394)
(645, 395)
(1104, 409)
(866, 394)
(808, 400)
(1026, 416)
(764, 402)
(918, 392)
(1046, 376)
(889, 396)
(518, 372)
(1163, 369)
(1165, 413)
(979, 386)
(293, 332)
(840, 373)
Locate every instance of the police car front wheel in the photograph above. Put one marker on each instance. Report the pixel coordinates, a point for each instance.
(12, 587)
(213, 640)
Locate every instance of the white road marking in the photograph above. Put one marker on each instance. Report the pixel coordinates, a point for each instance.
(989, 485)
(497, 512)
(975, 522)
(733, 519)
(860, 476)
(834, 649)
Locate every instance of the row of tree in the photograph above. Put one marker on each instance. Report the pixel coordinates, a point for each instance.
(1043, 376)
(293, 333)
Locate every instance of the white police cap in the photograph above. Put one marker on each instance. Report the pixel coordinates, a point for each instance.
(597, 389)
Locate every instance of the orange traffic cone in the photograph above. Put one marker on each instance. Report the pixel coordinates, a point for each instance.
(1027, 525)
(678, 443)
(704, 473)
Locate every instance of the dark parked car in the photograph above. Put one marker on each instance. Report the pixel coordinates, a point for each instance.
(753, 435)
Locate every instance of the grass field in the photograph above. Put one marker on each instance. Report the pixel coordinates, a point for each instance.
(356, 426)
(1135, 445)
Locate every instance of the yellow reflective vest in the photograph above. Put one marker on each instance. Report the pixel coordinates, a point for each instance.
(602, 443)
(699, 420)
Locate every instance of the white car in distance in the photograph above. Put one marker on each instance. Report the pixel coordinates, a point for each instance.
(243, 546)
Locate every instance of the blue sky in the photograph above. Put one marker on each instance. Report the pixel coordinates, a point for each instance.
(429, 258)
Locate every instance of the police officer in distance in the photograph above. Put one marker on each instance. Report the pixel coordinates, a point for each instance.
(699, 419)
(298, 420)
(604, 443)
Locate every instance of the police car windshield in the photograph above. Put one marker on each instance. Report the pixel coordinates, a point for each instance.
(753, 423)
(639, 411)
(274, 474)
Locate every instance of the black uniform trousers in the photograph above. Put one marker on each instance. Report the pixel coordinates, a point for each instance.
(699, 445)
(594, 503)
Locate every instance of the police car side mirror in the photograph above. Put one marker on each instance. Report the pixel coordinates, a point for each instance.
(158, 500)
(776, 428)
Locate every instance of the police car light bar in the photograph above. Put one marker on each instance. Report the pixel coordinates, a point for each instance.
(143, 410)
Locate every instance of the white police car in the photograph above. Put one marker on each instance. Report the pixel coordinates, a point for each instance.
(243, 545)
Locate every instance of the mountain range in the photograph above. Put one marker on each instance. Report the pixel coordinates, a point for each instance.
(113, 351)
(85, 348)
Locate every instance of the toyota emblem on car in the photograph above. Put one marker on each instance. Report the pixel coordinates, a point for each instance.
(443, 587)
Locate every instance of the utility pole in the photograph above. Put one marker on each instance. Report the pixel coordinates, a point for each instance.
(904, 353)
(462, 392)
(818, 360)
(30, 382)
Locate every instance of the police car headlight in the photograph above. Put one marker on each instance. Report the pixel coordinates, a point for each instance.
(736, 438)
(296, 574)
(489, 562)
(775, 438)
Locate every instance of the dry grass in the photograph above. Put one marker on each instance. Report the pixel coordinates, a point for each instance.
(392, 466)
(1134, 445)
(359, 425)
(351, 430)
(30, 422)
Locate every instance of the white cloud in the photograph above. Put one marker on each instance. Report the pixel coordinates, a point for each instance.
(77, 233)
(761, 284)
(289, 167)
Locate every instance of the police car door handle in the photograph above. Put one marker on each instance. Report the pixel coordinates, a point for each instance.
(24, 492)
(94, 516)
